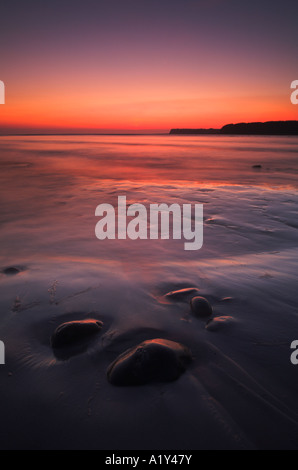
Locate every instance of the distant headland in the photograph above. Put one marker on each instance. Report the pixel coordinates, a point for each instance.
(251, 128)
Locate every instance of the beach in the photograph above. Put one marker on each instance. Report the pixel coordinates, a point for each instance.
(239, 390)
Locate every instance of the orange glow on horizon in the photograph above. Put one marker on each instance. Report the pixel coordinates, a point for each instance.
(163, 115)
(90, 106)
(154, 66)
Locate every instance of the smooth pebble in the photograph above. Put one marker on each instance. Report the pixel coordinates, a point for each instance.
(201, 307)
(156, 360)
(70, 333)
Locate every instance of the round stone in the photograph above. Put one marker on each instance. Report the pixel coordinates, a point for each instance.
(11, 271)
(201, 307)
(218, 323)
(156, 360)
(70, 333)
(182, 294)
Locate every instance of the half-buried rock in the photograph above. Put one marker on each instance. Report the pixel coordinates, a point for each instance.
(218, 323)
(182, 294)
(73, 332)
(201, 307)
(156, 360)
(11, 271)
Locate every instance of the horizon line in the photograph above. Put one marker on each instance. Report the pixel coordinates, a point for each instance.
(80, 133)
(142, 132)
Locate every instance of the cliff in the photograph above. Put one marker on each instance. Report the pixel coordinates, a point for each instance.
(195, 131)
(262, 128)
(252, 128)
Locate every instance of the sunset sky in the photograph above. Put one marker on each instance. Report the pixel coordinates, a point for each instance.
(117, 65)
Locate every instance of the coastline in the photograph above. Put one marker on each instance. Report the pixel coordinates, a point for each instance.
(270, 128)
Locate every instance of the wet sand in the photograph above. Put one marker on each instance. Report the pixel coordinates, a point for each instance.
(239, 391)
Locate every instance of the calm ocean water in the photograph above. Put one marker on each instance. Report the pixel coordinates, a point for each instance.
(203, 159)
(164, 158)
(51, 185)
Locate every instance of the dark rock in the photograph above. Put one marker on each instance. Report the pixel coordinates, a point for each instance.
(217, 323)
(11, 271)
(226, 299)
(201, 307)
(257, 167)
(182, 294)
(70, 333)
(156, 360)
